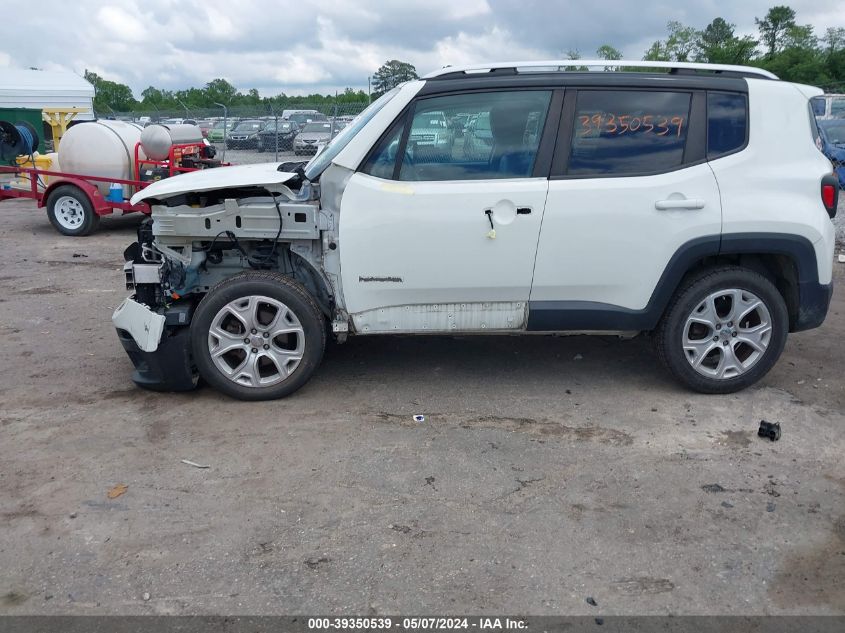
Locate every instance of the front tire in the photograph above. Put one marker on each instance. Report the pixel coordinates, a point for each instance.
(723, 331)
(258, 336)
(70, 211)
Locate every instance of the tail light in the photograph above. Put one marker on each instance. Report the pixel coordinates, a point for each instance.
(830, 194)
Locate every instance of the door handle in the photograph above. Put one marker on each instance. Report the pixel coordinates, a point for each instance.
(523, 210)
(681, 203)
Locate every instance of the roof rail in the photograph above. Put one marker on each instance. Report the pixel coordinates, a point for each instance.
(559, 65)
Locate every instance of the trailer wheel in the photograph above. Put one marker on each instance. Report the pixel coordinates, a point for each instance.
(71, 212)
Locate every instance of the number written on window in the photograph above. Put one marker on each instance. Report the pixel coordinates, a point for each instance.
(623, 132)
(609, 124)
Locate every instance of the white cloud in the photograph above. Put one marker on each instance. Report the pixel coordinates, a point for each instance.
(324, 45)
(119, 22)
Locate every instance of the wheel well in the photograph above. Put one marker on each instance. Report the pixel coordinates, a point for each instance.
(781, 270)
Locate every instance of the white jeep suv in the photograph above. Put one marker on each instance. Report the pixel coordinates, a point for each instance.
(689, 201)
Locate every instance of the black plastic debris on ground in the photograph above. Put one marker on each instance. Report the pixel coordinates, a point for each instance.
(770, 430)
(592, 602)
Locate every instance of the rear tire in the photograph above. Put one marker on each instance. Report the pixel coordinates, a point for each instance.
(258, 336)
(70, 211)
(723, 331)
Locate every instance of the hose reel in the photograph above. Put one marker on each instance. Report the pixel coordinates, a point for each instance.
(16, 140)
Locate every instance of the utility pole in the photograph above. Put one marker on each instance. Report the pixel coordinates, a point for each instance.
(225, 119)
(187, 116)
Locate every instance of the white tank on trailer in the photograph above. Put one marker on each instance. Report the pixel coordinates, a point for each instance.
(158, 139)
(101, 148)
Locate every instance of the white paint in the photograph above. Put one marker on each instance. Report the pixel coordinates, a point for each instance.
(607, 240)
(144, 325)
(258, 175)
(442, 318)
(774, 186)
(433, 237)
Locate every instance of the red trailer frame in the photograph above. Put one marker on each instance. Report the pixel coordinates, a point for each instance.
(100, 204)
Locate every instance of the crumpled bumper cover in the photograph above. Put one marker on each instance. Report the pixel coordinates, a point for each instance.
(166, 365)
(142, 324)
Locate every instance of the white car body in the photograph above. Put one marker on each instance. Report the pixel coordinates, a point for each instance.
(541, 251)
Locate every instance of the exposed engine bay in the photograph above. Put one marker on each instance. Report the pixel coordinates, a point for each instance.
(200, 236)
(194, 240)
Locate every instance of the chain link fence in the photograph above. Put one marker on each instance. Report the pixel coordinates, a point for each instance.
(258, 133)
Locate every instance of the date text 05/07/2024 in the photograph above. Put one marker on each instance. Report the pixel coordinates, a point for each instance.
(418, 624)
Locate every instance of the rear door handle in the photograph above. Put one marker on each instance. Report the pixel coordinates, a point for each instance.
(682, 203)
(523, 210)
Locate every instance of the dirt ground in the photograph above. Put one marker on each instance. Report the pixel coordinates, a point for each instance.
(547, 470)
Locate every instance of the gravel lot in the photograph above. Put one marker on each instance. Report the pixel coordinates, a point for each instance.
(548, 470)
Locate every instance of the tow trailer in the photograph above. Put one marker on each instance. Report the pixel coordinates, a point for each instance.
(74, 202)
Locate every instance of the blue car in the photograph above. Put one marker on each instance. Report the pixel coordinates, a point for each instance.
(832, 133)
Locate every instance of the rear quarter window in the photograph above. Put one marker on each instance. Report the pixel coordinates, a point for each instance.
(727, 123)
(627, 132)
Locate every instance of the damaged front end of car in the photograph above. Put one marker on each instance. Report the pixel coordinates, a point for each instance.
(204, 229)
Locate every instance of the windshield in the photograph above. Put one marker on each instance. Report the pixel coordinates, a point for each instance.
(834, 131)
(318, 164)
(317, 127)
(243, 126)
(283, 127)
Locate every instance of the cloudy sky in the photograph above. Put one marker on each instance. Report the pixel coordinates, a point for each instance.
(305, 46)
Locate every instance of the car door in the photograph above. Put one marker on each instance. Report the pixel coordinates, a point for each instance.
(432, 239)
(630, 195)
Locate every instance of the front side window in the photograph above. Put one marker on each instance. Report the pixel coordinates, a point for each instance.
(473, 136)
(625, 132)
(727, 123)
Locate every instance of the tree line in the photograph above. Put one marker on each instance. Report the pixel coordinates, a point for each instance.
(793, 51)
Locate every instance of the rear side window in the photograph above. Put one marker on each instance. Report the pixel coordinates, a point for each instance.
(727, 123)
(626, 132)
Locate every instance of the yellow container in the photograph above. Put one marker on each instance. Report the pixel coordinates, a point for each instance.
(48, 162)
(42, 161)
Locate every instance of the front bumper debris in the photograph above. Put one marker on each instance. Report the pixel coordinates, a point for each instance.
(142, 324)
(169, 368)
(162, 355)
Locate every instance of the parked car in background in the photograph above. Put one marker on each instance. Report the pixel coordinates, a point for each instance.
(204, 126)
(277, 133)
(829, 106)
(832, 135)
(312, 136)
(478, 138)
(245, 134)
(217, 133)
(303, 117)
(431, 136)
(458, 123)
